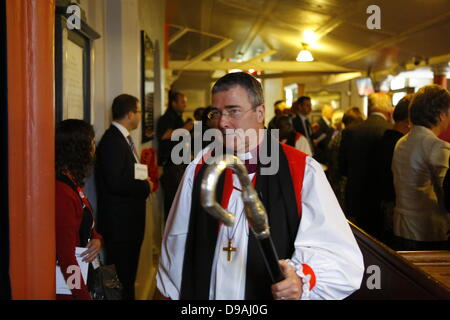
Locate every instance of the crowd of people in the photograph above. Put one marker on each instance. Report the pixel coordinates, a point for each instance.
(388, 174)
(386, 186)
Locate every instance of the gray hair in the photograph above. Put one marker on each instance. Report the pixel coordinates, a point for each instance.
(245, 81)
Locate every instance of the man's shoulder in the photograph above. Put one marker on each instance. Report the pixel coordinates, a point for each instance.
(298, 125)
(376, 120)
(373, 125)
(432, 142)
(163, 116)
(112, 131)
(322, 122)
(111, 136)
(295, 118)
(351, 131)
(168, 116)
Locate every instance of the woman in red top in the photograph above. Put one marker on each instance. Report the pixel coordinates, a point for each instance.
(75, 149)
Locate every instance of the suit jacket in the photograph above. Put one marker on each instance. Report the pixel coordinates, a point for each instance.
(357, 161)
(419, 165)
(121, 198)
(385, 153)
(74, 227)
(324, 133)
(169, 120)
(446, 187)
(299, 127)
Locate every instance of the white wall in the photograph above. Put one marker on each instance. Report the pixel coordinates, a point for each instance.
(96, 20)
(152, 19)
(117, 54)
(273, 91)
(116, 61)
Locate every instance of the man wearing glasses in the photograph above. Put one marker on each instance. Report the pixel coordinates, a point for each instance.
(121, 196)
(202, 259)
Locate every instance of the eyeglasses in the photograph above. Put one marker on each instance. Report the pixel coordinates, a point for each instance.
(232, 114)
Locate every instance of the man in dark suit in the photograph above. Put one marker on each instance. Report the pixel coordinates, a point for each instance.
(279, 107)
(301, 109)
(358, 161)
(121, 197)
(385, 152)
(321, 138)
(170, 121)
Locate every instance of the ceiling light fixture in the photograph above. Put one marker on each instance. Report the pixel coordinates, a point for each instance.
(305, 55)
(309, 37)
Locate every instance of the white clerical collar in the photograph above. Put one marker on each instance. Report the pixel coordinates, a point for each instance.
(379, 114)
(122, 129)
(245, 156)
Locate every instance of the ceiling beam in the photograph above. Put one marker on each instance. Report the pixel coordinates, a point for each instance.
(332, 23)
(328, 27)
(341, 77)
(178, 35)
(198, 31)
(269, 6)
(204, 54)
(259, 57)
(412, 66)
(287, 66)
(296, 74)
(237, 5)
(363, 27)
(335, 22)
(411, 32)
(439, 59)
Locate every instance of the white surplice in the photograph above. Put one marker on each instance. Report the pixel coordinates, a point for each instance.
(324, 241)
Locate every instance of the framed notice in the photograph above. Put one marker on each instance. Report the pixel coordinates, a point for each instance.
(148, 87)
(72, 68)
(73, 86)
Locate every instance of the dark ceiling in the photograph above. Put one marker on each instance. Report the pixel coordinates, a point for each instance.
(410, 29)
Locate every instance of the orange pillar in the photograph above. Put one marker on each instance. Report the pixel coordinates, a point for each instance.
(440, 79)
(30, 40)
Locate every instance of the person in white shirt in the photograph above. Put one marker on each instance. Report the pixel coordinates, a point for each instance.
(419, 165)
(292, 138)
(302, 108)
(203, 259)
